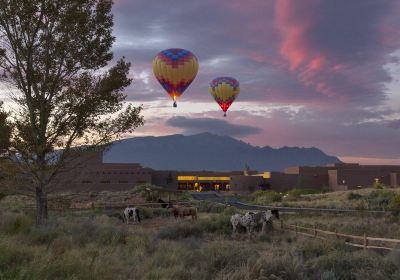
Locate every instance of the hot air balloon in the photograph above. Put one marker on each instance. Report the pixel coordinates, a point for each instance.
(175, 69)
(224, 90)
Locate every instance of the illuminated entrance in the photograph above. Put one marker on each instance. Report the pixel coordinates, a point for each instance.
(202, 184)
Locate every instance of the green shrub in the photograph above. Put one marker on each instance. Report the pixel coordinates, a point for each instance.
(161, 212)
(264, 197)
(354, 265)
(216, 224)
(146, 212)
(353, 196)
(184, 196)
(224, 258)
(180, 230)
(44, 234)
(2, 195)
(210, 207)
(380, 198)
(281, 267)
(394, 205)
(88, 231)
(13, 223)
(13, 258)
(379, 185)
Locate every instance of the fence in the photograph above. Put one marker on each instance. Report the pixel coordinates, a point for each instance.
(314, 232)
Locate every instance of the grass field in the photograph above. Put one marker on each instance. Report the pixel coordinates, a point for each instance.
(95, 244)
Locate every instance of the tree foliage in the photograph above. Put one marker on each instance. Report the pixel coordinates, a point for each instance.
(55, 54)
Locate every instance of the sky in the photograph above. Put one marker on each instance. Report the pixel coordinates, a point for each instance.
(313, 73)
(322, 73)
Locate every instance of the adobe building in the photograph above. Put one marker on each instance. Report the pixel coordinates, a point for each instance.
(89, 173)
(342, 176)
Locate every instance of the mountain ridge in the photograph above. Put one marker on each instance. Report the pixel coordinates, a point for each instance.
(206, 151)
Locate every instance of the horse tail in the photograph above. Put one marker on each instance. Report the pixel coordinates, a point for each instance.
(137, 214)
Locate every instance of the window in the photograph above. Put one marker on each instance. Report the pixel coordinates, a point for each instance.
(86, 182)
(123, 182)
(105, 182)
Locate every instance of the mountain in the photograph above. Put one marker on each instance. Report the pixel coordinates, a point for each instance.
(207, 151)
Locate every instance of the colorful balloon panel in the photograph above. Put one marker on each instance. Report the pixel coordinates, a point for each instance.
(224, 90)
(175, 69)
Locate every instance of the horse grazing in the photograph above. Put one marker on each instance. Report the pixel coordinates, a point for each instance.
(163, 203)
(181, 212)
(132, 212)
(250, 221)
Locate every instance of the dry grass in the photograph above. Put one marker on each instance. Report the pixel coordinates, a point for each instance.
(338, 199)
(94, 244)
(97, 246)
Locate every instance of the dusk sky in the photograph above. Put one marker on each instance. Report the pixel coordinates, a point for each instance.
(321, 73)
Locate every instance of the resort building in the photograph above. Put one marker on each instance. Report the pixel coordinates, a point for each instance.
(89, 173)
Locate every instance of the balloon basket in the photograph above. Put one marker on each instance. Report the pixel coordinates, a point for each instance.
(224, 114)
(175, 105)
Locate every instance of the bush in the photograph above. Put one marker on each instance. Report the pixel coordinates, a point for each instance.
(380, 198)
(44, 234)
(216, 224)
(355, 265)
(353, 196)
(88, 231)
(298, 192)
(394, 205)
(379, 185)
(180, 230)
(210, 207)
(2, 195)
(12, 259)
(13, 223)
(184, 196)
(264, 197)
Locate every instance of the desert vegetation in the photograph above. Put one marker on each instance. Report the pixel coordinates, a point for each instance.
(95, 244)
(364, 199)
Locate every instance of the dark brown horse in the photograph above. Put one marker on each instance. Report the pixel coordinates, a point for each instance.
(182, 211)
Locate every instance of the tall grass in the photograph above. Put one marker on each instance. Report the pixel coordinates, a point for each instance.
(101, 247)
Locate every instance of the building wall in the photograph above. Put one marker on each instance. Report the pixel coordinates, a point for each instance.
(89, 173)
(242, 183)
(365, 175)
(282, 182)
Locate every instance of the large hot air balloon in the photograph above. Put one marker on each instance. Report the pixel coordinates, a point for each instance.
(175, 69)
(224, 90)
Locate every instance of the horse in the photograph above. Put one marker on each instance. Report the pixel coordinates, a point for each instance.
(250, 221)
(132, 212)
(181, 212)
(163, 203)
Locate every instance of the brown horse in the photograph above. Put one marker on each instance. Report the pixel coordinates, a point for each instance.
(182, 211)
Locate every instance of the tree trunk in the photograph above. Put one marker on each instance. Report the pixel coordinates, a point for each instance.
(41, 205)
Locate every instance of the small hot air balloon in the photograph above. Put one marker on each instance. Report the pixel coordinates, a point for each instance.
(175, 69)
(224, 90)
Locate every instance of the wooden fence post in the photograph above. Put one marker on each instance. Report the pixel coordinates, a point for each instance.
(336, 234)
(295, 226)
(315, 231)
(365, 241)
(281, 224)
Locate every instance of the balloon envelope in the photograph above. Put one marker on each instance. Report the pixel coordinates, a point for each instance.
(175, 69)
(224, 90)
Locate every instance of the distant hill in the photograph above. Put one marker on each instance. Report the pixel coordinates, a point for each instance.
(207, 151)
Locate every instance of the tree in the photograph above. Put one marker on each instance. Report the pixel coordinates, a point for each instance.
(55, 56)
(5, 131)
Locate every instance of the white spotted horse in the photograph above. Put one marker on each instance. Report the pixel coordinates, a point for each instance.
(132, 213)
(251, 220)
